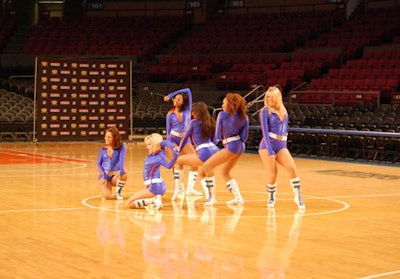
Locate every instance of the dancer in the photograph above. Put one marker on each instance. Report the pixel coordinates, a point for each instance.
(110, 163)
(201, 131)
(155, 185)
(233, 129)
(273, 145)
(177, 120)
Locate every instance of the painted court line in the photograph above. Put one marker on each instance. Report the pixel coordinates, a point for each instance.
(18, 157)
(381, 275)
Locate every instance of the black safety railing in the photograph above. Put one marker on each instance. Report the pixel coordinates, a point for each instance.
(339, 144)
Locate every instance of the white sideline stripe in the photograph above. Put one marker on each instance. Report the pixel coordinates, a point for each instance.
(381, 274)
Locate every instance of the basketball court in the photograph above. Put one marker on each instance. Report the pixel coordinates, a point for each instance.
(55, 225)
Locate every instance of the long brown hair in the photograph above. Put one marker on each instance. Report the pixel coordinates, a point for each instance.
(236, 103)
(207, 122)
(117, 140)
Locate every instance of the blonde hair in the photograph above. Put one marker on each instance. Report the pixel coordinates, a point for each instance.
(155, 138)
(275, 93)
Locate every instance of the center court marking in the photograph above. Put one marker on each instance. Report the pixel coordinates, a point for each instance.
(115, 209)
(343, 206)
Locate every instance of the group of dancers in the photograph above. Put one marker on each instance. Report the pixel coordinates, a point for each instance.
(192, 140)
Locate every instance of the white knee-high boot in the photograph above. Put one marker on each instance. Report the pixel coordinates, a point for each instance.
(179, 189)
(118, 190)
(205, 188)
(192, 178)
(144, 202)
(295, 183)
(233, 187)
(271, 189)
(212, 199)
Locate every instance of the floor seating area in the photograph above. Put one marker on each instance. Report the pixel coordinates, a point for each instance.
(365, 118)
(16, 116)
(16, 124)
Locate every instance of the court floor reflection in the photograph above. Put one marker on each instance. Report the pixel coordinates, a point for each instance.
(185, 239)
(111, 233)
(275, 254)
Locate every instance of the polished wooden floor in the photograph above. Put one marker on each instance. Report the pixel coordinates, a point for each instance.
(54, 223)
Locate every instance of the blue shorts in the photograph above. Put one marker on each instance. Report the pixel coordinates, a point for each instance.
(177, 140)
(276, 145)
(207, 152)
(237, 146)
(157, 188)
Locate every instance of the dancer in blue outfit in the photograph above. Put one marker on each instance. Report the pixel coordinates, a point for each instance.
(177, 120)
(232, 129)
(155, 185)
(200, 131)
(273, 146)
(111, 164)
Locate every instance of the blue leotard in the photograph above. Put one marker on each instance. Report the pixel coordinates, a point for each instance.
(151, 169)
(116, 162)
(233, 131)
(271, 123)
(204, 147)
(175, 125)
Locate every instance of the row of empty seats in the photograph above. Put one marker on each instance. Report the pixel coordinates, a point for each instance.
(142, 37)
(16, 116)
(362, 146)
(358, 118)
(354, 84)
(373, 27)
(212, 52)
(326, 55)
(378, 70)
(150, 117)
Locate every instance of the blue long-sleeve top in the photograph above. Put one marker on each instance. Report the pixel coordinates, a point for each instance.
(194, 133)
(227, 126)
(270, 122)
(153, 162)
(116, 162)
(172, 121)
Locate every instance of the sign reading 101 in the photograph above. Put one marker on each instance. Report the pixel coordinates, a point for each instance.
(192, 4)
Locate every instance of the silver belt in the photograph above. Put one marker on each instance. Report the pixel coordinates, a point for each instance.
(277, 137)
(204, 145)
(152, 180)
(230, 139)
(176, 134)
